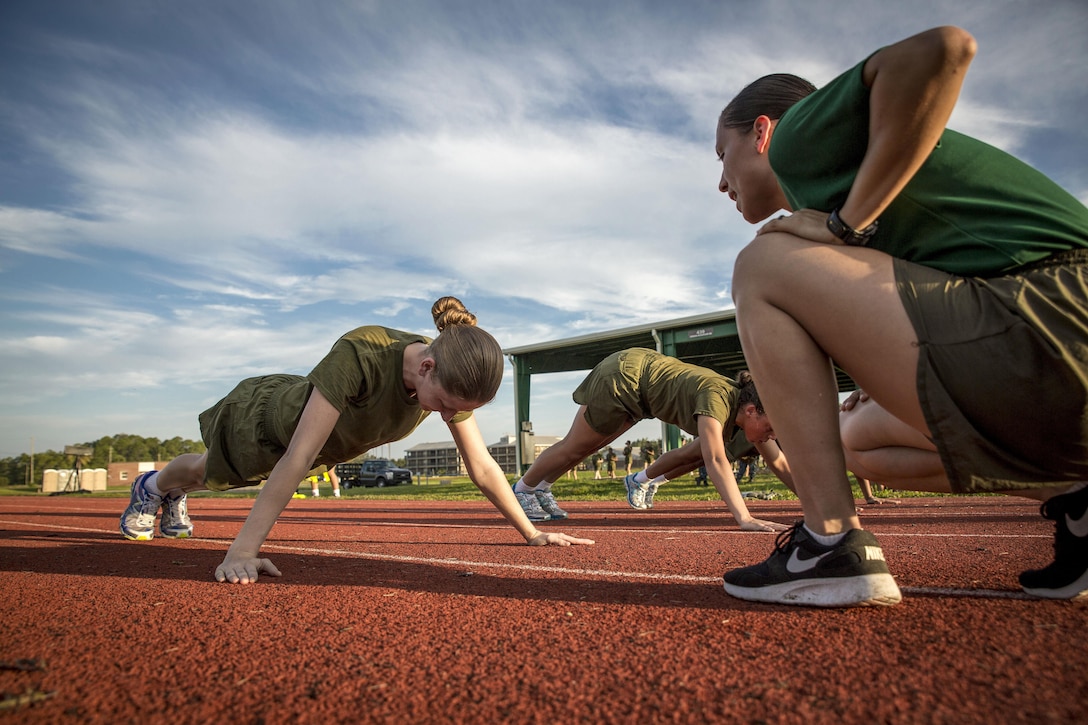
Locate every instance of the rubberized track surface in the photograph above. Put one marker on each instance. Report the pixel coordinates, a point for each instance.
(434, 612)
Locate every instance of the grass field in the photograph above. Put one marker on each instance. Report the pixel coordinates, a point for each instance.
(459, 488)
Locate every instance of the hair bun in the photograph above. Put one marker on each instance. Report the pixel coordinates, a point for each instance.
(449, 311)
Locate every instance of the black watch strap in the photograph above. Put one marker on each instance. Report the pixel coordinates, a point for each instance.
(849, 235)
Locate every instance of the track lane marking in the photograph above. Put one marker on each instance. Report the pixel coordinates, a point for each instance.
(535, 568)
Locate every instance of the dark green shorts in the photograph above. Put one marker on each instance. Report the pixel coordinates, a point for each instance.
(1003, 371)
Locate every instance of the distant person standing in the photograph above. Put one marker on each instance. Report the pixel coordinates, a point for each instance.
(328, 475)
(628, 452)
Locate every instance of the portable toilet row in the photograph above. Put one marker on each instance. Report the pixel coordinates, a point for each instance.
(90, 479)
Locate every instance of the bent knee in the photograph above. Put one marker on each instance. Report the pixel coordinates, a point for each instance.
(758, 262)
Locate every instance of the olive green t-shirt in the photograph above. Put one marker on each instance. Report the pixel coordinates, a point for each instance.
(971, 209)
(362, 377)
(678, 392)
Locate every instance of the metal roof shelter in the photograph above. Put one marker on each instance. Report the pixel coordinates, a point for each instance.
(709, 340)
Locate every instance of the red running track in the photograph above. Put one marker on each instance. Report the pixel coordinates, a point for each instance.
(434, 612)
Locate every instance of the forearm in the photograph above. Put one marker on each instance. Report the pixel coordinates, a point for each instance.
(494, 486)
(270, 503)
(726, 486)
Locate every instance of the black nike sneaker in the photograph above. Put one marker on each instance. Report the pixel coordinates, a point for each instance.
(1067, 576)
(802, 571)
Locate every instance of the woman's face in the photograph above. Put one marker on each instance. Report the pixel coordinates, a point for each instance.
(433, 397)
(746, 172)
(757, 427)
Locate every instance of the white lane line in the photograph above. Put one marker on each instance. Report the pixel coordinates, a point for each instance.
(610, 574)
(603, 573)
(577, 531)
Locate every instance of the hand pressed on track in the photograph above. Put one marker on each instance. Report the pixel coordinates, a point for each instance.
(543, 539)
(761, 525)
(244, 570)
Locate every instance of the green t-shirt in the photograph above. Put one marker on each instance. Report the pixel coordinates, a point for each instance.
(971, 209)
(678, 392)
(362, 377)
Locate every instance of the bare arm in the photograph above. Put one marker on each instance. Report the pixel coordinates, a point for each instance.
(776, 461)
(720, 471)
(242, 564)
(914, 84)
(489, 478)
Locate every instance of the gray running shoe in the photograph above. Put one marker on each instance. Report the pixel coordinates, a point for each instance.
(636, 492)
(531, 506)
(550, 505)
(175, 523)
(138, 520)
(651, 491)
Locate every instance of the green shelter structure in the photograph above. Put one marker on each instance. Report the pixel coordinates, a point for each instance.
(709, 340)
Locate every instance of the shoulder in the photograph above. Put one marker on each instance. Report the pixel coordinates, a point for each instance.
(378, 337)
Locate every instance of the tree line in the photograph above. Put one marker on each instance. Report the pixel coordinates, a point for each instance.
(16, 471)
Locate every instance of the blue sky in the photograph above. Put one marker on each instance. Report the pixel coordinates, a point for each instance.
(193, 193)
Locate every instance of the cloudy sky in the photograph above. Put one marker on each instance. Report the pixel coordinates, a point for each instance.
(193, 193)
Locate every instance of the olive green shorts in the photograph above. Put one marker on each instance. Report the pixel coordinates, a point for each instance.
(239, 452)
(612, 392)
(1003, 371)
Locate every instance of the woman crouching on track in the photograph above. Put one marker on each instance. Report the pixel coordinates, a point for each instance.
(947, 278)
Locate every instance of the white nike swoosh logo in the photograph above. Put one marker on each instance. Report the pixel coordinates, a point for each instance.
(797, 565)
(1078, 527)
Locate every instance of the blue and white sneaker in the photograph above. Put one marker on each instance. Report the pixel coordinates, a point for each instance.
(636, 492)
(138, 520)
(531, 506)
(547, 501)
(175, 523)
(651, 491)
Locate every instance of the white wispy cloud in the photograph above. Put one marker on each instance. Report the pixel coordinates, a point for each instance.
(201, 193)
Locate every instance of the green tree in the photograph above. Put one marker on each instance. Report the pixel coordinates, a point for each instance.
(15, 471)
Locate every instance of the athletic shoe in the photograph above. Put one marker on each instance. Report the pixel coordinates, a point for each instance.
(803, 571)
(636, 492)
(138, 520)
(174, 522)
(547, 501)
(531, 506)
(1067, 576)
(651, 491)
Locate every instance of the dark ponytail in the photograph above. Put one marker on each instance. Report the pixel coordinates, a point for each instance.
(769, 96)
(748, 393)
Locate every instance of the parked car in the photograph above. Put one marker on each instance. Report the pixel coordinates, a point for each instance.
(372, 472)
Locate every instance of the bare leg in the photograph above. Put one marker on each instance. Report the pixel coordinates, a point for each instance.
(580, 442)
(185, 473)
(677, 462)
(881, 447)
(800, 305)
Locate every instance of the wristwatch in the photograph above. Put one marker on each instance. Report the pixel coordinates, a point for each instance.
(849, 235)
